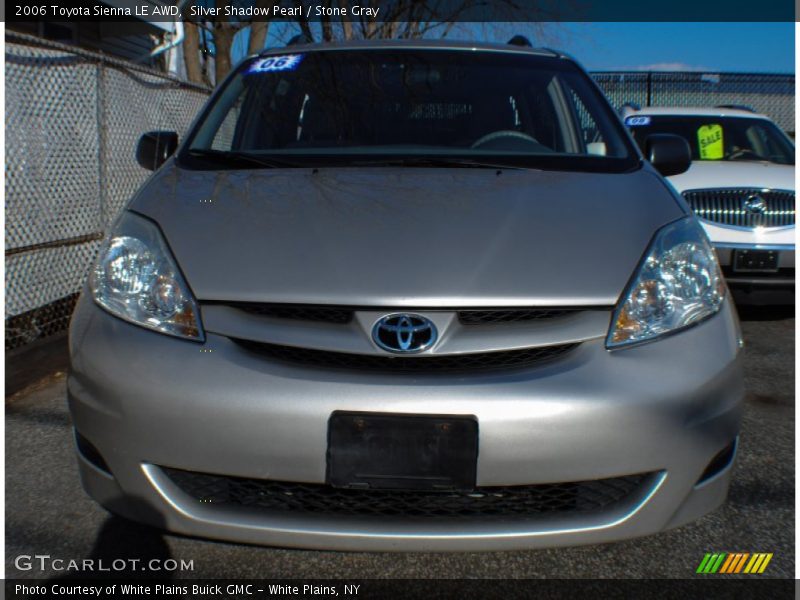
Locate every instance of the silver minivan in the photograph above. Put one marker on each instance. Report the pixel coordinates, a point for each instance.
(407, 296)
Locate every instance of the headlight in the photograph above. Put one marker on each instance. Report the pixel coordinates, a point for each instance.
(136, 279)
(677, 284)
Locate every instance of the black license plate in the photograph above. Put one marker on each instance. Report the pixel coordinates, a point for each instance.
(402, 452)
(751, 261)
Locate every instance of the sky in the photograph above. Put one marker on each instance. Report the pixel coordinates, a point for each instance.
(747, 47)
(731, 47)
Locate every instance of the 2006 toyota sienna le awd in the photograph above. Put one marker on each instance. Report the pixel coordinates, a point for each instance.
(407, 296)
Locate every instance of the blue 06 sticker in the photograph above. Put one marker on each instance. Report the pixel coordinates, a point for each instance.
(286, 62)
(634, 121)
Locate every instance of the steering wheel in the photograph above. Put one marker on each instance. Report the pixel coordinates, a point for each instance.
(511, 133)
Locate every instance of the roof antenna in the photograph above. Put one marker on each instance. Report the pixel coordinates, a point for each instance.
(520, 40)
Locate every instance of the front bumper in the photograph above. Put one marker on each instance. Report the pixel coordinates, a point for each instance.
(146, 401)
(776, 287)
(759, 288)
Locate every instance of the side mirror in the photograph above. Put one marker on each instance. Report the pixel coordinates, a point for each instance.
(669, 154)
(155, 147)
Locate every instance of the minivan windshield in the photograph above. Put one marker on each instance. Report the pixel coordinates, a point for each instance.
(431, 107)
(719, 138)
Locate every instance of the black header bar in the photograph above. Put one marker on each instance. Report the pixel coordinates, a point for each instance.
(708, 587)
(380, 11)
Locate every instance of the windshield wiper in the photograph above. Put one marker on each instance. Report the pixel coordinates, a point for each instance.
(236, 158)
(433, 161)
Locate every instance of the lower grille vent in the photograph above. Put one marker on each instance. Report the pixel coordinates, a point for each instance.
(506, 501)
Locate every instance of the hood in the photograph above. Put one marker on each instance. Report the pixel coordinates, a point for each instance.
(407, 237)
(735, 174)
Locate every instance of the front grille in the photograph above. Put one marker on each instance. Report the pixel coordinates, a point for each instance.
(506, 501)
(344, 314)
(305, 312)
(513, 315)
(730, 206)
(505, 359)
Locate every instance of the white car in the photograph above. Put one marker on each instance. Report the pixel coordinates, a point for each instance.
(741, 186)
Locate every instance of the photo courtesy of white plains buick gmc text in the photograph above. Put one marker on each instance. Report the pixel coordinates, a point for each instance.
(407, 296)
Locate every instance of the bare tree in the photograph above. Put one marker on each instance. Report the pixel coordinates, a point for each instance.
(191, 52)
(325, 23)
(258, 31)
(223, 30)
(347, 26)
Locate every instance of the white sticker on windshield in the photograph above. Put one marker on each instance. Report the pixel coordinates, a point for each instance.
(634, 121)
(287, 62)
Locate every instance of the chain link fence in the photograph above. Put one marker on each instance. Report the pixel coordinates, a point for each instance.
(772, 95)
(72, 122)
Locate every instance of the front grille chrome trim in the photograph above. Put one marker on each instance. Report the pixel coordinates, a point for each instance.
(343, 315)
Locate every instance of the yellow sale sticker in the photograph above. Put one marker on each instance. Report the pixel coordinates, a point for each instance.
(709, 139)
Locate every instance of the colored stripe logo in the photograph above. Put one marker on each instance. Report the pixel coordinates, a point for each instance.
(734, 562)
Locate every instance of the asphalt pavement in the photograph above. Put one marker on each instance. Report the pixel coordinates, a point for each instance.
(47, 512)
